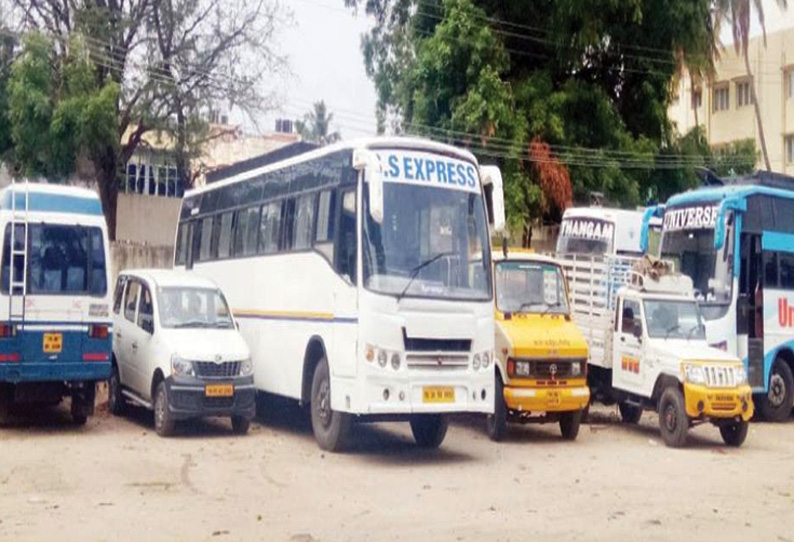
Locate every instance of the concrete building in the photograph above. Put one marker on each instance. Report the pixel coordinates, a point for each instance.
(723, 106)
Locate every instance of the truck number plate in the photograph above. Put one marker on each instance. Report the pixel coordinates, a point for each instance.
(52, 343)
(553, 397)
(438, 394)
(219, 390)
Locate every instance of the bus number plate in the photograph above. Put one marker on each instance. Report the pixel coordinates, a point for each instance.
(219, 390)
(53, 343)
(438, 395)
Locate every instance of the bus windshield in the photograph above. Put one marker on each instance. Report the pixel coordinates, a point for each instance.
(588, 236)
(530, 287)
(433, 242)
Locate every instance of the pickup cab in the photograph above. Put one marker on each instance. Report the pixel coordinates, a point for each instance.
(655, 357)
(541, 356)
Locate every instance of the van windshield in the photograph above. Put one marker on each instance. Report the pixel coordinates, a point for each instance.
(181, 307)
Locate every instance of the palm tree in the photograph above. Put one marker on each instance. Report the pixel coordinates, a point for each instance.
(738, 14)
(316, 125)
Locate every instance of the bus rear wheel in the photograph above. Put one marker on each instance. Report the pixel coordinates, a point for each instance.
(429, 430)
(331, 428)
(775, 405)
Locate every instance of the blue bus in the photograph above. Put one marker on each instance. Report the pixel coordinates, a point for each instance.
(736, 242)
(55, 326)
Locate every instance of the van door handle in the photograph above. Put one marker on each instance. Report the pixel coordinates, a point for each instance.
(135, 345)
(623, 339)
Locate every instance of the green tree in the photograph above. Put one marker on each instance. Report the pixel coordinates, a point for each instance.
(6, 55)
(316, 125)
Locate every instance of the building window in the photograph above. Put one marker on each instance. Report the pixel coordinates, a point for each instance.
(697, 99)
(743, 94)
(790, 83)
(790, 149)
(722, 98)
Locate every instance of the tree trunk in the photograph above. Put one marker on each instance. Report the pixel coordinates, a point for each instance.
(108, 184)
(754, 97)
(692, 100)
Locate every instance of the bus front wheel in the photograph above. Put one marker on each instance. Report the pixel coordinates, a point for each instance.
(331, 428)
(429, 430)
(776, 404)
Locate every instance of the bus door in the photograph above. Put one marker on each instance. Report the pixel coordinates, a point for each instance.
(750, 309)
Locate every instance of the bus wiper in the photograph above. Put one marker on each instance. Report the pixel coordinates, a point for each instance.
(415, 270)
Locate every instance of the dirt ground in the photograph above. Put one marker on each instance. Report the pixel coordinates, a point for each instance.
(114, 479)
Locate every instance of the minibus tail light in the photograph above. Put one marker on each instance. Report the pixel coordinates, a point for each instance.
(98, 331)
(8, 330)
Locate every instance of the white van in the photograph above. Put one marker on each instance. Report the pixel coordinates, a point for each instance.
(176, 350)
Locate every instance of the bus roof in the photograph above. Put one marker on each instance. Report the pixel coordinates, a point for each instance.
(51, 198)
(412, 143)
(768, 182)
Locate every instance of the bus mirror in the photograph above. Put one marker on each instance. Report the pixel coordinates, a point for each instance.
(492, 182)
(373, 175)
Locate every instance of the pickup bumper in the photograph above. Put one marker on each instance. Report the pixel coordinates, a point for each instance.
(189, 398)
(718, 402)
(546, 399)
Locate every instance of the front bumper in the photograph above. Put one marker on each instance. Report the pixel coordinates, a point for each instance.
(187, 398)
(702, 401)
(539, 399)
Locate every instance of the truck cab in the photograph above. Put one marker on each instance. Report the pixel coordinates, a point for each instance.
(660, 360)
(541, 356)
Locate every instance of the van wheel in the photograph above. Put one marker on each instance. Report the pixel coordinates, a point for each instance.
(164, 422)
(331, 428)
(735, 433)
(630, 414)
(429, 430)
(673, 421)
(496, 423)
(240, 425)
(776, 405)
(116, 402)
(569, 424)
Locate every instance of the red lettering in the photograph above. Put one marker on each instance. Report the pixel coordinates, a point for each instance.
(782, 312)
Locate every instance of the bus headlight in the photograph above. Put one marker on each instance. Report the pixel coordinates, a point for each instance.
(486, 359)
(246, 367)
(395, 361)
(382, 358)
(181, 367)
(741, 376)
(475, 362)
(694, 374)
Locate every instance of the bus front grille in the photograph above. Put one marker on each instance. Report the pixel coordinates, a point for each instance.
(438, 361)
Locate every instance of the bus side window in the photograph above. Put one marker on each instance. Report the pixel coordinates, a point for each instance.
(225, 237)
(181, 243)
(269, 228)
(787, 271)
(287, 224)
(324, 233)
(346, 247)
(304, 222)
(770, 270)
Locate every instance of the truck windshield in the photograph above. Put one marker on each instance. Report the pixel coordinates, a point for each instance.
(530, 287)
(668, 319)
(433, 242)
(193, 308)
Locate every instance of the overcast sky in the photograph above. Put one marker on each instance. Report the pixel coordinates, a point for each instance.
(323, 48)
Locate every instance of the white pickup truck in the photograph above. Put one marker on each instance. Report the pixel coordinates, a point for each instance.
(648, 349)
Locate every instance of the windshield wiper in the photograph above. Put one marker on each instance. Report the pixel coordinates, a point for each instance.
(550, 306)
(670, 330)
(415, 271)
(693, 328)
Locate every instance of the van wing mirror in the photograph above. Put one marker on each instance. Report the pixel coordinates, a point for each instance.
(368, 161)
(491, 177)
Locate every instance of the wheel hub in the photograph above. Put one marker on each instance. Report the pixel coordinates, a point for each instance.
(324, 403)
(777, 390)
(670, 420)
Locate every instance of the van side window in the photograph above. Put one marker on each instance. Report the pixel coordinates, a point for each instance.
(118, 294)
(346, 240)
(631, 314)
(131, 300)
(146, 311)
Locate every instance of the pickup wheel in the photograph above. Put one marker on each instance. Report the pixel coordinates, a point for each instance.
(496, 423)
(331, 428)
(776, 405)
(116, 402)
(569, 424)
(673, 421)
(630, 414)
(735, 433)
(429, 430)
(164, 422)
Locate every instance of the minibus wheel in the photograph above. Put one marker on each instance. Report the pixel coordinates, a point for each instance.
(629, 414)
(331, 428)
(734, 434)
(673, 421)
(429, 430)
(775, 405)
(116, 401)
(496, 423)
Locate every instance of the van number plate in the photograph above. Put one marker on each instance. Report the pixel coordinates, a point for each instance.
(53, 343)
(438, 394)
(219, 390)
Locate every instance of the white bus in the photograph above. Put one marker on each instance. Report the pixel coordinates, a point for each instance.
(360, 274)
(598, 231)
(55, 327)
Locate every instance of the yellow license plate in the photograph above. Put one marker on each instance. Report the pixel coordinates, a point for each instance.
(219, 390)
(553, 397)
(438, 395)
(53, 343)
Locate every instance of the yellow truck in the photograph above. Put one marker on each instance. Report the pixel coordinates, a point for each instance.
(541, 356)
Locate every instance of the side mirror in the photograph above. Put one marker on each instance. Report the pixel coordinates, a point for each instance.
(148, 326)
(492, 177)
(373, 175)
(637, 331)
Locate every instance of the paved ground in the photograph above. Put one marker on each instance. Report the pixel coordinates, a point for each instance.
(116, 480)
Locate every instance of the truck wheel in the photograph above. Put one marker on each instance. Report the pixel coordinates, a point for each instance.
(569, 424)
(776, 405)
(630, 414)
(331, 428)
(240, 425)
(673, 421)
(164, 422)
(735, 433)
(116, 402)
(429, 430)
(496, 423)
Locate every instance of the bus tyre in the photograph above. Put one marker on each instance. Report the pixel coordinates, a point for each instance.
(776, 405)
(734, 434)
(331, 428)
(164, 422)
(240, 425)
(116, 402)
(429, 430)
(673, 421)
(630, 414)
(496, 423)
(569, 424)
